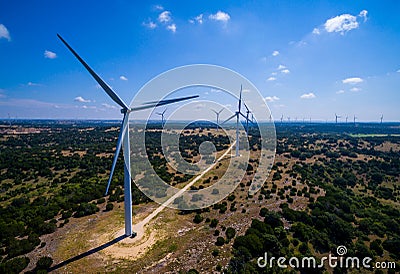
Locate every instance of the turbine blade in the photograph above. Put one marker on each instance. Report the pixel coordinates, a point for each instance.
(215, 111)
(161, 103)
(246, 106)
(100, 81)
(117, 150)
(234, 115)
(240, 98)
(169, 101)
(244, 116)
(222, 109)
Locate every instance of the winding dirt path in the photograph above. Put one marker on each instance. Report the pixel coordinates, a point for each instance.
(134, 247)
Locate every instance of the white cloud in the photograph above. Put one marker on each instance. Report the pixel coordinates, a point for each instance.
(271, 99)
(197, 19)
(363, 14)
(308, 96)
(108, 106)
(49, 54)
(172, 28)
(352, 80)
(31, 84)
(220, 16)
(4, 33)
(80, 99)
(150, 24)
(275, 53)
(123, 78)
(341, 23)
(274, 73)
(89, 107)
(355, 89)
(215, 90)
(316, 31)
(271, 78)
(340, 91)
(280, 67)
(285, 71)
(164, 17)
(158, 7)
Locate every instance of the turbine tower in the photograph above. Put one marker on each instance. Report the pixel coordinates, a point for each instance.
(281, 118)
(123, 137)
(381, 118)
(347, 117)
(162, 117)
(354, 119)
(218, 113)
(237, 114)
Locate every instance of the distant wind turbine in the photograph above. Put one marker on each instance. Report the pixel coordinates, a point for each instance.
(162, 117)
(123, 138)
(354, 119)
(347, 117)
(281, 118)
(381, 118)
(217, 113)
(247, 117)
(336, 117)
(237, 114)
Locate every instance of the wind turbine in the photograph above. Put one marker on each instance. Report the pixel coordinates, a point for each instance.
(281, 118)
(381, 118)
(218, 113)
(247, 118)
(237, 114)
(347, 117)
(162, 117)
(123, 137)
(354, 119)
(336, 117)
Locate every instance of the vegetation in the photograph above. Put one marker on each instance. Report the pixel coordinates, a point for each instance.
(347, 179)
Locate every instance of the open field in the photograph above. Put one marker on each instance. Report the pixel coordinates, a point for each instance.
(61, 212)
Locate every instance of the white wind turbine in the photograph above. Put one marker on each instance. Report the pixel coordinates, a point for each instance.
(123, 138)
(162, 117)
(218, 113)
(237, 114)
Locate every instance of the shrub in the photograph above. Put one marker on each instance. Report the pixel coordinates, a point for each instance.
(197, 218)
(220, 241)
(230, 233)
(214, 223)
(109, 207)
(44, 263)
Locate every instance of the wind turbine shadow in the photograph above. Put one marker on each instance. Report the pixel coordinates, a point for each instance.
(87, 253)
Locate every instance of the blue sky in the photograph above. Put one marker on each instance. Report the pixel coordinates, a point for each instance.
(307, 58)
